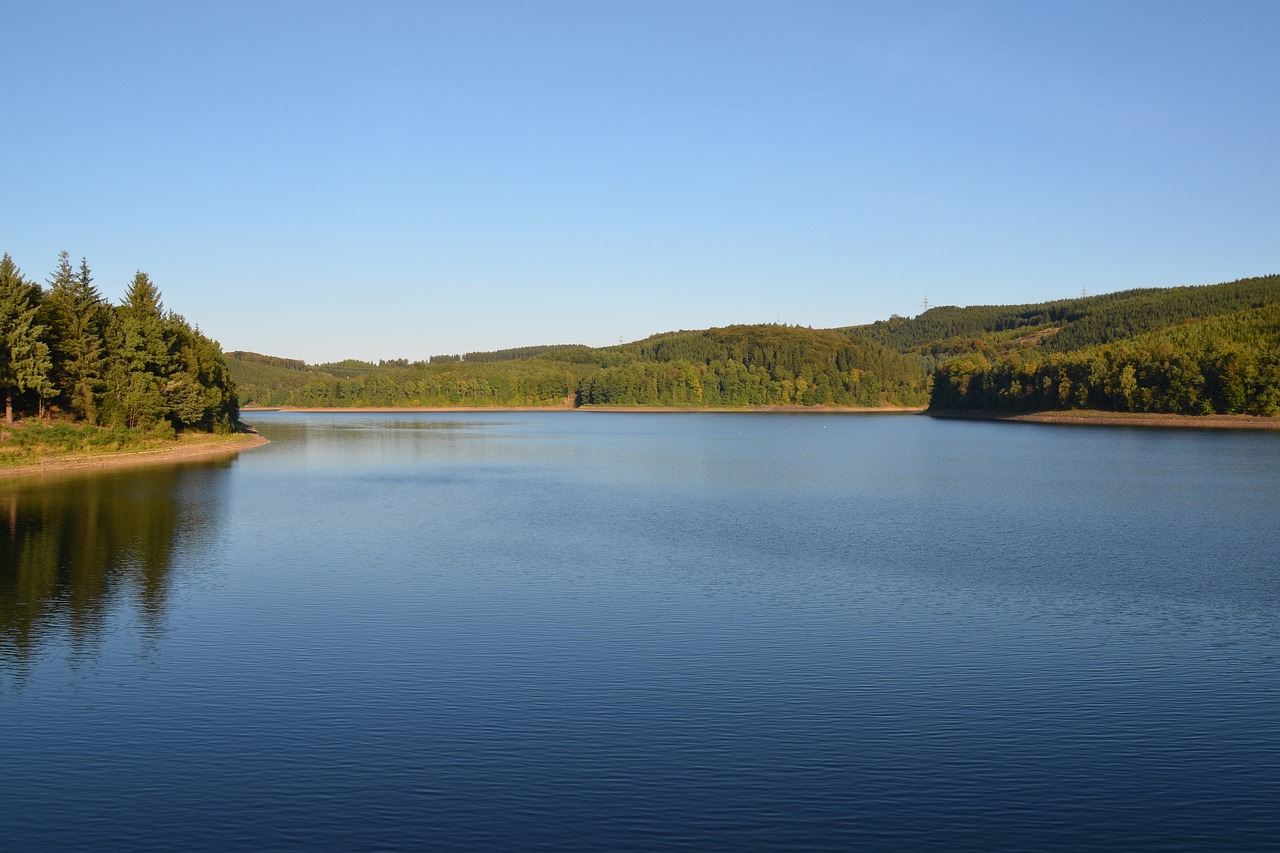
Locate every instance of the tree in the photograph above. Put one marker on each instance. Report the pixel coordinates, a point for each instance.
(143, 297)
(198, 391)
(139, 359)
(77, 314)
(24, 357)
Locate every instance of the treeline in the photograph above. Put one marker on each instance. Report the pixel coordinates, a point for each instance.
(758, 365)
(1183, 349)
(1228, 364)
(1119, 316)
(64, 349)
(730, 367)
(521, 383)
(271, 360)
(557, 352)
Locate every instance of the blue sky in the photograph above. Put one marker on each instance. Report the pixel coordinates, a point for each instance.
(400, 179)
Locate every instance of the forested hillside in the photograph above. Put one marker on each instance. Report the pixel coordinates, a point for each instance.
(64, 350)
(755, 366)
(731, 367)
(1066, 324)
(1184, 349)
(1219, 365)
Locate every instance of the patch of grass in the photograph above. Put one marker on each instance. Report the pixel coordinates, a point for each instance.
(30, 441)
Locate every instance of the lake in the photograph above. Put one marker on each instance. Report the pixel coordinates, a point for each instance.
(614, 631)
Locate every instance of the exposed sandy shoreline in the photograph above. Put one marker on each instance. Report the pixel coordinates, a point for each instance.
(1127, 419)
(186, 449)
(789, 410)
(637, 409)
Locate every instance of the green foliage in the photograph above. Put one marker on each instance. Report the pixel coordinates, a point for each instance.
(1183, 349)
(1228, 364)
(559, 352)
(757, 365)
(265, 380)
(523, 383)
(732, 367)
(24, 355)
(349, 368)
(77, 318)
(143, 297)
(32, 439)
(1065, 325)
(131, 366)
(270, 360)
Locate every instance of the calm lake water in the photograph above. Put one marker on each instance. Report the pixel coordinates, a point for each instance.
(610, 631)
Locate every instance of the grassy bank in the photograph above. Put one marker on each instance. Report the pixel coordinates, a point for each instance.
(38, 447)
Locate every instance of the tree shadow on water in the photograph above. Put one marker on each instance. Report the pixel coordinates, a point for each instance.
(77, 553)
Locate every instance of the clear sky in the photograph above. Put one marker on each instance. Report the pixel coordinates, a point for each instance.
(400, 179)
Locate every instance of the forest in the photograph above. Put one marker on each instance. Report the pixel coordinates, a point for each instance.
(1186, 350)
(1189, 350)
(66, 353)
(95, 373)
(1217, 365)
(732, 367)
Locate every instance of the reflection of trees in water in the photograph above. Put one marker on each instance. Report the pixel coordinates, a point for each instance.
(74, 550)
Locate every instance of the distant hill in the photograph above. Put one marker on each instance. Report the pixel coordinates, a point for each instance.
(1066, 324)
(1193, 350)
(1187, 350)
(730, 367)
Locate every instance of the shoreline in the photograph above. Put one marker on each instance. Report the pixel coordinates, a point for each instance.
(1094, 417)
(187, 449)
(790, 410)
(1074, 417)
(197, 448)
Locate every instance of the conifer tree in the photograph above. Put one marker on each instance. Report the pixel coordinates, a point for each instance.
(199, 392)
(24, 357)
(77, 315)
(139, 356)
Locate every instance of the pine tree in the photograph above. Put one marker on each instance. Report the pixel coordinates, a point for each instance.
(139, 360)
(77, 315)
(143, 297)
(24, 357)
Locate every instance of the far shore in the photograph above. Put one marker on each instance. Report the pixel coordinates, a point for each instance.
(188, 448)
(1079, 417)
(1091, 417)
(249, 410)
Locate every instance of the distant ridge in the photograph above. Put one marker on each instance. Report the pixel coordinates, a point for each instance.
(1190, 350)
